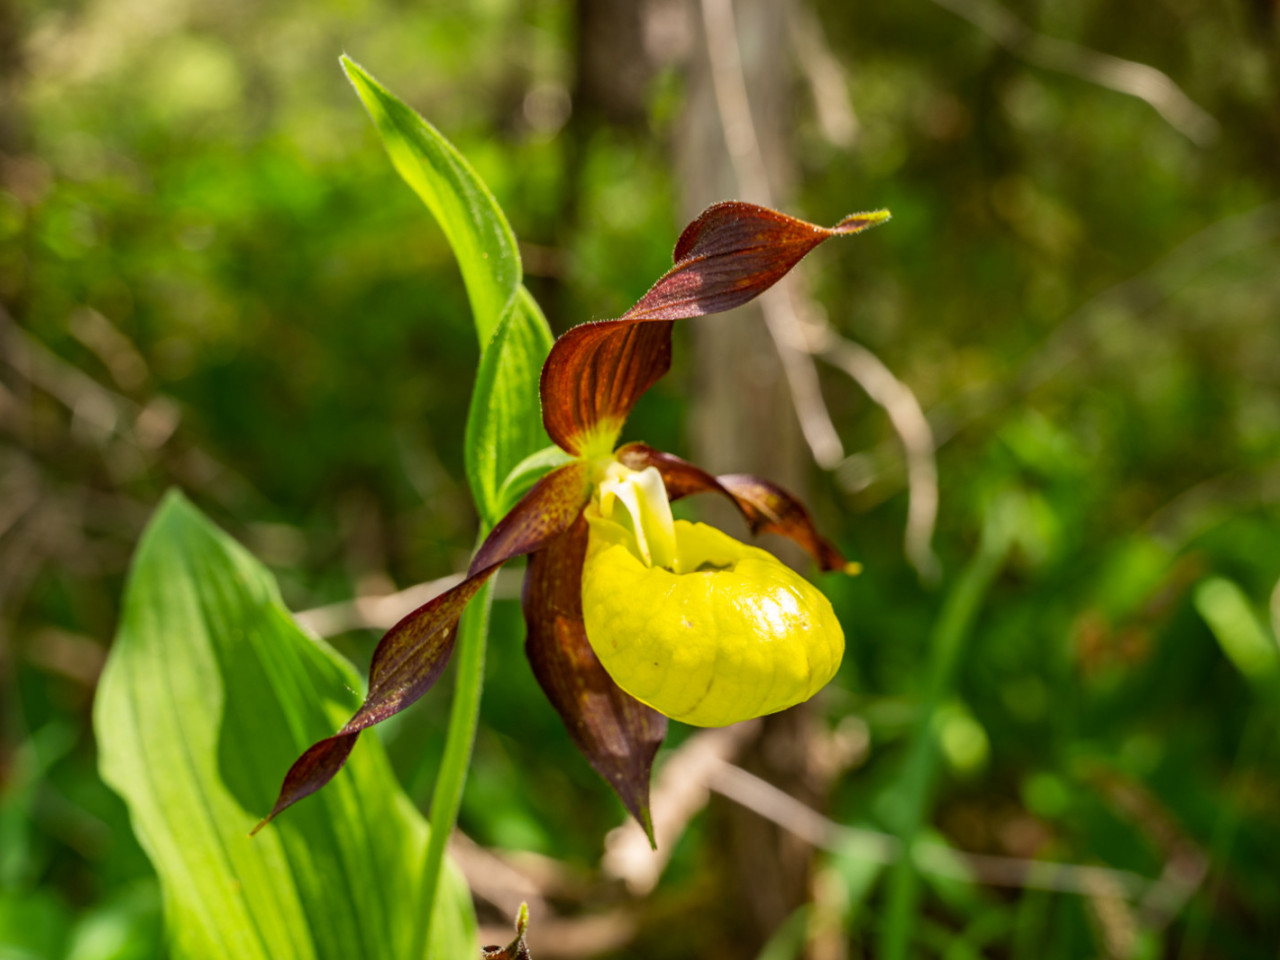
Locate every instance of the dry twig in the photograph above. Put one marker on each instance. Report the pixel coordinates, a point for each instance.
(825, 76)
(1124, 76)
(383, 611)
(768, 801)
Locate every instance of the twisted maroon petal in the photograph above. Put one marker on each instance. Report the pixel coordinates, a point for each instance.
(766, 506)
(617, 734)
(411, 656)
(770, 509)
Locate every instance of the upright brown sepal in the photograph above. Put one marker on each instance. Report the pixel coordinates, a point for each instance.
(617, 734)
(412, 654)
(595, 374)
(730, 254)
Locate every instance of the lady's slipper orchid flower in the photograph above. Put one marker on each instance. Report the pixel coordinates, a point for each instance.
(633, 616)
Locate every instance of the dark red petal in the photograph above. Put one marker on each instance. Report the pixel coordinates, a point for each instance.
(766, 506)
(732, 253)
(771, 509)
(680, 477)
(546, 511)
(413, 653)
(411, 656)
(617, 734)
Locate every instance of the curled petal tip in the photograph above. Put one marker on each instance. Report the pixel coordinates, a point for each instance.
(522, 920)
(861, 221)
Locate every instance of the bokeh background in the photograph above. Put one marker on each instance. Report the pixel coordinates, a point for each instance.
(211, 277)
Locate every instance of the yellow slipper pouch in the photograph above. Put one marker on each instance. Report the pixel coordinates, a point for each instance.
(736, 634)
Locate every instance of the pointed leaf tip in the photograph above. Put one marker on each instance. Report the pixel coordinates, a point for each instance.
(472, 221)
(411, 655)
(618, 735)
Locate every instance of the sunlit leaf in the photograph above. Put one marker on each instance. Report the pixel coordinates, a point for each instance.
(504, 425)
(210, 689)
(482, 240)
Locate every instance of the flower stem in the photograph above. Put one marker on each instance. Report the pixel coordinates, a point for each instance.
(473, 634)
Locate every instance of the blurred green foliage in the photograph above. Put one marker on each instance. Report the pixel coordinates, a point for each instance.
(211, 277)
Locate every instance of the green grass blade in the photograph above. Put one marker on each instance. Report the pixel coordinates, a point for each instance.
(949, 635)
(209, 693)
(1243, 637)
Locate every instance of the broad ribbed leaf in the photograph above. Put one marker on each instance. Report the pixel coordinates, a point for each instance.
(730, 254)
(412, 655)
(504, 424)
(617, 734)
(767, 507)
(210, 689)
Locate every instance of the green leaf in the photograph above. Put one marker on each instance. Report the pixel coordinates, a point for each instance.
(504, 424)
(482, 240)
(210, 692)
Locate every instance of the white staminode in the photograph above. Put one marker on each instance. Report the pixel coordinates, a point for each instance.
(644, 497)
